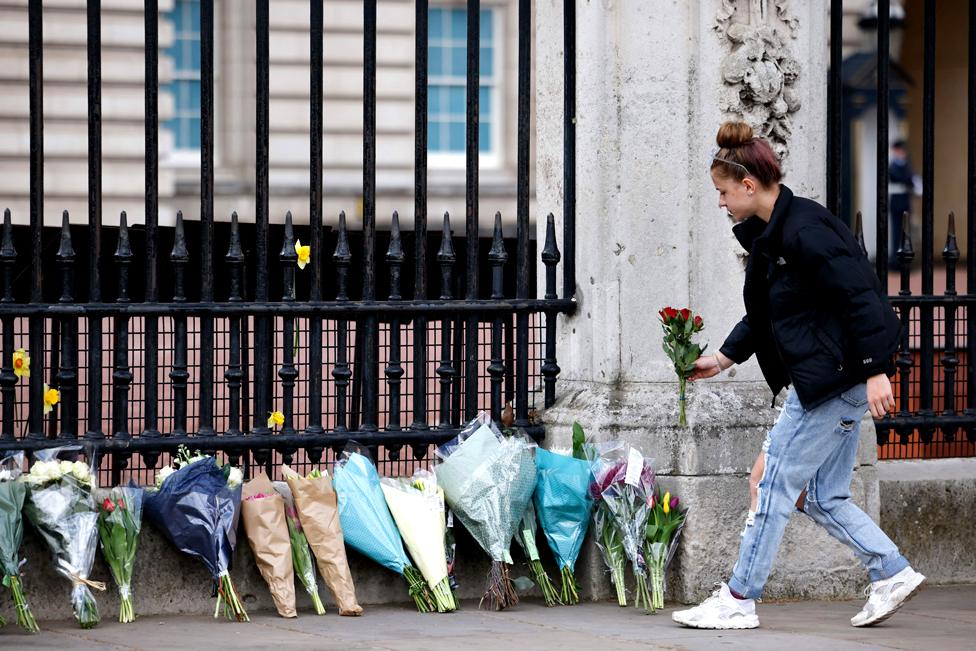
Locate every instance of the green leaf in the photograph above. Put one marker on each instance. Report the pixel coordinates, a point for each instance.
(579, 441)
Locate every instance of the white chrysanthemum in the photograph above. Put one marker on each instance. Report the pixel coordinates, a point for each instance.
(80, 471)
(49, 470)
(163, 473)
(235, 478)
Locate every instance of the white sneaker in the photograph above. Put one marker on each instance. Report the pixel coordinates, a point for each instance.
(720, 611)
(887, 596)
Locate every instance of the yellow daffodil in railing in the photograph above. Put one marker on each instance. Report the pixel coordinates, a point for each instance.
(304, 254)
(51, 398)
(276, 418)
(21, 363)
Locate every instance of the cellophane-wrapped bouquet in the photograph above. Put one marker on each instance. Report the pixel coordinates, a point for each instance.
(661, 540)
(564, 505)
(12, 495)
(417, 505)
(196, 504)
(488, 480)
(119, 524)
(60, 504)
(622, 487)
(368, 526)
(301, 554)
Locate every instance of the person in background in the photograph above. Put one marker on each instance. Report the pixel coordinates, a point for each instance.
(901, 183)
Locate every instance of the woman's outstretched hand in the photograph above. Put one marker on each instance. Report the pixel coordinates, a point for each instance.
(708, 366)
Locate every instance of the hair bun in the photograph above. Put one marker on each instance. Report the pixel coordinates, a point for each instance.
(733, 134)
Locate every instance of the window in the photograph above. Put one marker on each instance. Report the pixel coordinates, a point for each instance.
(185, 86)
(447, 69)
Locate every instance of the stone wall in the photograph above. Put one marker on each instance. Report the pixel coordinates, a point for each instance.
(929, 509)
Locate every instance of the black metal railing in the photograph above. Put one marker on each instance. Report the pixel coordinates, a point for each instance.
(936, 376)
(210, 361)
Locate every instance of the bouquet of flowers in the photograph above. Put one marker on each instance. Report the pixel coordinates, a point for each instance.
(318, 511)
(61, 506)
(679, 326)
(263, 512)
(301, 555)
(417, 506)
(526, 539)
(563, 504)
(368, 526)
(12, 494)
(196, 505)
(488, 480)
(119, 523)
(623, 484)
(661, 540)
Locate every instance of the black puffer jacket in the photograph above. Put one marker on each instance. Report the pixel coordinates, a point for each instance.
(816, 316)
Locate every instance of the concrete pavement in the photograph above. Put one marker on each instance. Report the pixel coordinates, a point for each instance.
(941, 618)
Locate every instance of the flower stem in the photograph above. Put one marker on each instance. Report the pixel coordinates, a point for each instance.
(317, 602)
(570, 593)
(549, 593)
(682, 419)
(618, 582)
(24, 615)
(642, 595)
(233, 608)
(444, 597)
(419, 589)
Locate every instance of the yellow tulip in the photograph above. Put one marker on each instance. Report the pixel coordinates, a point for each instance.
(666, 503)
(276, 418)
(51, 397)
(21, 363)
(304, 254)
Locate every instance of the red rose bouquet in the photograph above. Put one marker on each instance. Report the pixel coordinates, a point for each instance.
(679, 326)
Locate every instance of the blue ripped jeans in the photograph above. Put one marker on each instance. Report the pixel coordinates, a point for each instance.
(815, 449)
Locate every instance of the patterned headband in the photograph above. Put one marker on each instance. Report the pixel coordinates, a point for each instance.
(716, 157)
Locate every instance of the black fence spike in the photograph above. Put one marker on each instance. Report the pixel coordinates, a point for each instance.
(550, 252)
(7, 249)
(951, 251)
(66, 258)
(65, 250)
(498, 254)
(179, 253)
(124, 249)
(288, 253)
(342, 252)
(234, 252)
(446, 253)
(394, 254)
(905, 251)
(859, 232)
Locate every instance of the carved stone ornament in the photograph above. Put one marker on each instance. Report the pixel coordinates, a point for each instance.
(760, 71)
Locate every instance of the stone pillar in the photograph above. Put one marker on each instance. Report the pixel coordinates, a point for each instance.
(654, 81)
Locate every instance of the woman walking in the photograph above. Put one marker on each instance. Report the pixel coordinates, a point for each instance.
(818, 321)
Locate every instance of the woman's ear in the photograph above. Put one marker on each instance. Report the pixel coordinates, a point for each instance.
(750, 185)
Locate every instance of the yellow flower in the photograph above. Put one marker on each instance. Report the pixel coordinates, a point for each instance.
(304, 254)
(51, 397)
(21, 363)
(276, 418)
(666, 505)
